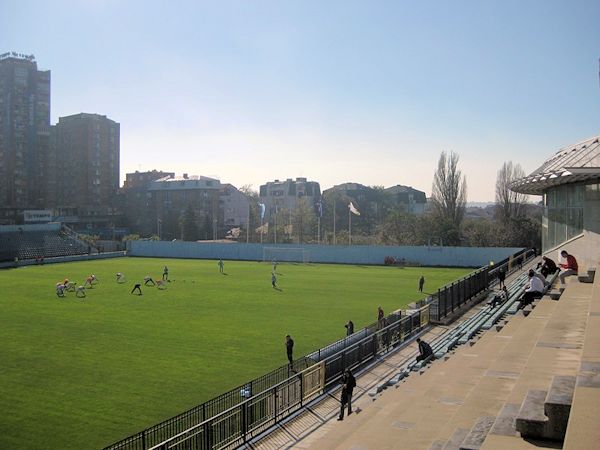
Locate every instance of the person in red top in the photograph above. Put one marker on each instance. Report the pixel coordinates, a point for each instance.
(568, 269)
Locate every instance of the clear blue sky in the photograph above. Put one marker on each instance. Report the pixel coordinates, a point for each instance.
(335, 91)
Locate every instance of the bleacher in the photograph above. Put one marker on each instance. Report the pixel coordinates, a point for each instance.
(35, 244)
(516, 385)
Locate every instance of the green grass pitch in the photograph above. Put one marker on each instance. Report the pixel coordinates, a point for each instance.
(83, 373)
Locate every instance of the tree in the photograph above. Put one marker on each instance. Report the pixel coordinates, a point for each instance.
(253, 213)
(304, 219)
(449, 197)
(509, 204)
(189, 227)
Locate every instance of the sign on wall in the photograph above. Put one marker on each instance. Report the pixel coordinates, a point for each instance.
(37, 215)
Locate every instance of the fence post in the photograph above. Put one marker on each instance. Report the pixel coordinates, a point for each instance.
(244, 407)
(144, 439)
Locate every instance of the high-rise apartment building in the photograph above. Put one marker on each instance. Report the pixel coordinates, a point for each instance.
(87, 157)
(24, 136)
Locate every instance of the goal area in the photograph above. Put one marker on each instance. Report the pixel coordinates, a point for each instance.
(279, 254)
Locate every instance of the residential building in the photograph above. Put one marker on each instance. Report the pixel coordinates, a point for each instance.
(285, 195)
(136, 201)
(172, 198)
(407, 198)
(24, 137)
(87, 149)
(234, 208)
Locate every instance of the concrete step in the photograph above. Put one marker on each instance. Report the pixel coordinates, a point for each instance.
(478, 433)
(505, 423)
(456, 439)
(544, 415)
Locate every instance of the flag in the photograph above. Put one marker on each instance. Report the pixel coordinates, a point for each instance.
(320, 208)
(261, 208)
(353, 210)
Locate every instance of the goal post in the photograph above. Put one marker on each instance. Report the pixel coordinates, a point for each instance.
(280, 254)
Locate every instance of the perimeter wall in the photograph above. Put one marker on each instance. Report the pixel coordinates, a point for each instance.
(347, 254)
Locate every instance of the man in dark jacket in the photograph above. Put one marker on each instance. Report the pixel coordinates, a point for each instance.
(548, 266)
(289, 347)
(424, 350)
(348, 385)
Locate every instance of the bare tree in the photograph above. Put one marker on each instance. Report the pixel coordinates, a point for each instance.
(509, 204)
(449, 191)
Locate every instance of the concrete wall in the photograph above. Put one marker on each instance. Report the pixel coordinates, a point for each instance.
(355, 254)
(52, 226)
(62, 259)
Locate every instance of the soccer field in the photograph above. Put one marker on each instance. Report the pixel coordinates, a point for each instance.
(83, 373)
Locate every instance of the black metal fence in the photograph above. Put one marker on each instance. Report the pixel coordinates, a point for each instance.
(456, 294)
(233, 417)
(254, 415)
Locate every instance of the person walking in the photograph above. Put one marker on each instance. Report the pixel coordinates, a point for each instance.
(289, 348)
(273, 280)
(421, 283)
(348, 385)
(221, 265)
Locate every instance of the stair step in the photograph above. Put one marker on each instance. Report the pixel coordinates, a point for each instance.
(456, 439)
(531, 420)
(505, 422)
(478, 433)
(557, 406)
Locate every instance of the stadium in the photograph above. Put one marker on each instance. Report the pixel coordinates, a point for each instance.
(195, 359)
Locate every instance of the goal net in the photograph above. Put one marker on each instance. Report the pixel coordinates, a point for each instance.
(279, 254)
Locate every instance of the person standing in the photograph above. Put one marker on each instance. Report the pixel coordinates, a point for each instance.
(289, 348)
(349, 328)
(348, 385)
(421, 283)
(221, 265)
(569, 268)
(501, 277)
(165, 275)
(380, 318)
(273, 280)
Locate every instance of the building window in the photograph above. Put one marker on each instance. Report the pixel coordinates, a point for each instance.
(563, 214)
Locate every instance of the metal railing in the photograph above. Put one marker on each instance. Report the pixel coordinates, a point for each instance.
(454, 295)
(253, 416)
(233, 417)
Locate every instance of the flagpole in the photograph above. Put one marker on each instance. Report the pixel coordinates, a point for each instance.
(334, 239)
(276, 224)
(261, 230)
(319, 230)
(349, 226)
(248, 227)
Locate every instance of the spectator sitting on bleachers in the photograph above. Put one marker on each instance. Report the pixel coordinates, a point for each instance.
(499, 297)
(425, 350)
(534, 289)
(547, 266)
(569, 268)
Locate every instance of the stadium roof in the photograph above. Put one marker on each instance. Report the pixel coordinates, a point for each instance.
(578, 162)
